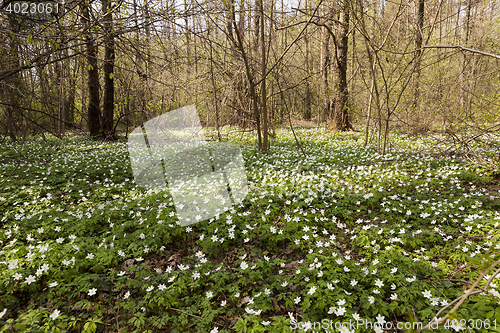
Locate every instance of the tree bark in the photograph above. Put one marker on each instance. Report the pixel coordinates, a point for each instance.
(265, 144)
(12, 89)
(418, 54)
(307, 106)
(251, 84)
(339, 120)
(93, 110)
(326, 64)
(108, 67)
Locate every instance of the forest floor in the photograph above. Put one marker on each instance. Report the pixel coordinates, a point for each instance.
(332, 237)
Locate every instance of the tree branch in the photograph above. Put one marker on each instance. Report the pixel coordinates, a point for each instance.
(463, 48)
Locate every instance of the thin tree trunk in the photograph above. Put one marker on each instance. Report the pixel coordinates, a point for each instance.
(108, 67)
(263, 89)
(251, 84)
(339, 121)
(326, 73)
(418, 54)
(307, 110)
(93, 110)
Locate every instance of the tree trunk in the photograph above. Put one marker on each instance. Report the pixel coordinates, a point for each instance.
(265, 144)
(108, 67)
(418, 54)
(12, 90)
(250, 79)
(93, 110)
(307, 101)
(339, 120)
(326, 72)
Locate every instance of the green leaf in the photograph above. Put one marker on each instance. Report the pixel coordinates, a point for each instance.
(241, 325)
(112, 76)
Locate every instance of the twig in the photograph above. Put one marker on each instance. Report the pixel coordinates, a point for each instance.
(463, 48)
(461, 299)
(195, 316)
(17, 165)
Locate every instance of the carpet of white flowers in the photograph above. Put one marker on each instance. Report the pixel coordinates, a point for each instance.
(334, 236)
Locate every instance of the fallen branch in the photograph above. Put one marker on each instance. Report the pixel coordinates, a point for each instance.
(461, 299)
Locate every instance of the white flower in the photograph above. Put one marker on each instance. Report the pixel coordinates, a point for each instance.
(127, 295)
(394, 297)
(379, 283)
(17, 276)
(92, 291)
(55, 314)
(427, 294)
(411, 279)
(243, 265)
(215, 330)
(340, 311)
(13, 264)
(150, 288)
(90, 256)
(3, 312)
(30, 279)
(380, 319)
(209, 294)
(354, 282)
(371, 299)
(122, 273)
(297, 300)
(312, 290)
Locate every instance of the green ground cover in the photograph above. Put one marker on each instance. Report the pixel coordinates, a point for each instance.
(341, 234)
